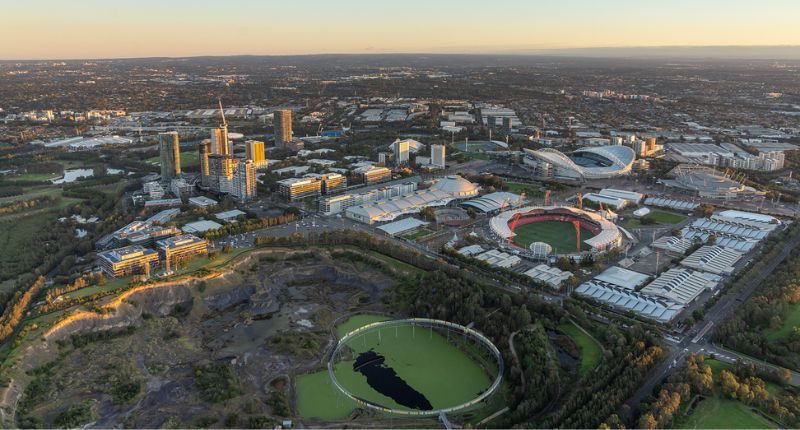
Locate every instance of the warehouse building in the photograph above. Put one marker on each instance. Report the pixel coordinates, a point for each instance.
(497, 258)
(623, 278)
(550, 276)
(713, 259)
(656, 308)
(679, 285)
(672, 245)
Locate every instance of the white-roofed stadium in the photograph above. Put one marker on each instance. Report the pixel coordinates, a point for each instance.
(598, 162)
(562, 227)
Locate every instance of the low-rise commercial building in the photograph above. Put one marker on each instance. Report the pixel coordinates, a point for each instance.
(181, 248)
(128, 260)
(373, 174)
(294, 189)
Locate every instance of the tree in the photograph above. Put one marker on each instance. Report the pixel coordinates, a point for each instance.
(728, 384)
(648, 421)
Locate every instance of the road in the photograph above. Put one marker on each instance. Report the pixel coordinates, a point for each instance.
(318, 223)
(698, 340)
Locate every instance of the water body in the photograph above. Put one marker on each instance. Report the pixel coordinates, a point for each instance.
(72, 175)
(384, 380)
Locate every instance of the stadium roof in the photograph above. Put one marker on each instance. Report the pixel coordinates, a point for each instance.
(609, 232)
(621, 159)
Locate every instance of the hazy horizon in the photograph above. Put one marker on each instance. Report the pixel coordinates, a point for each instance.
(94, 29)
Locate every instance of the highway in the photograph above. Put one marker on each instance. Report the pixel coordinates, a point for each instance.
(698, 340)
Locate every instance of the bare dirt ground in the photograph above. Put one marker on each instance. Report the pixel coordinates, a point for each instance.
(267, 321)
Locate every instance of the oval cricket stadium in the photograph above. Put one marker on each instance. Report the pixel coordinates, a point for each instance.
(567, 230)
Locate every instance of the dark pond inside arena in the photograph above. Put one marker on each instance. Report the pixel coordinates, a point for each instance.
(384, 380)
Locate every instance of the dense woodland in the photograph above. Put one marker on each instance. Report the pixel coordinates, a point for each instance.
(748, 329)
(744, 383)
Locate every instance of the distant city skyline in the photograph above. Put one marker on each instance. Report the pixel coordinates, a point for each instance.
(51, 29)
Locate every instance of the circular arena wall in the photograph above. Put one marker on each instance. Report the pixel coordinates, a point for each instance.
(433, 324)
(606, 235)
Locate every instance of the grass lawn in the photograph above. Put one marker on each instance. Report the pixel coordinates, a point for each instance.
(790, 321)
(19, 234)
(560, 235)
(405, 267)
(717, 413)
(531, 190)
(424, 359)
(189, 158)
(357, 321)
(318, 398)
(661, 218)
(591, 353)
(417, 234)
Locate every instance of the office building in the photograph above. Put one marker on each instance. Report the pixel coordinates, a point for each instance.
(204, 148)
(254, 151)
(337, 204)
(438, 156)
(332, 183)
(219, 141)
(400, 148)
(299, 188)
(170, 152)
(283, 128)
(373, 174)
(128, 260)
(508, 124)
(243, 185)
(180, 248)
(220, 170)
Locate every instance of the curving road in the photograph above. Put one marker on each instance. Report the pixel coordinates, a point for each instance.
(699, 342)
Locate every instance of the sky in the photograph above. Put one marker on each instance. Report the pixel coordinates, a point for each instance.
(58, 29)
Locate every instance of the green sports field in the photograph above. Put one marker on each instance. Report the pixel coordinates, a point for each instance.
(425, 360)
(718, 413)
(560, 235)
(590, 349)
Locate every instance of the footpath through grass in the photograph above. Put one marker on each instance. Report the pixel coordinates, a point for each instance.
(591, 353)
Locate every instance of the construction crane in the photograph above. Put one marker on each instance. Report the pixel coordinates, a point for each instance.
(222, 114)
(580, 200)
(547, 197)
